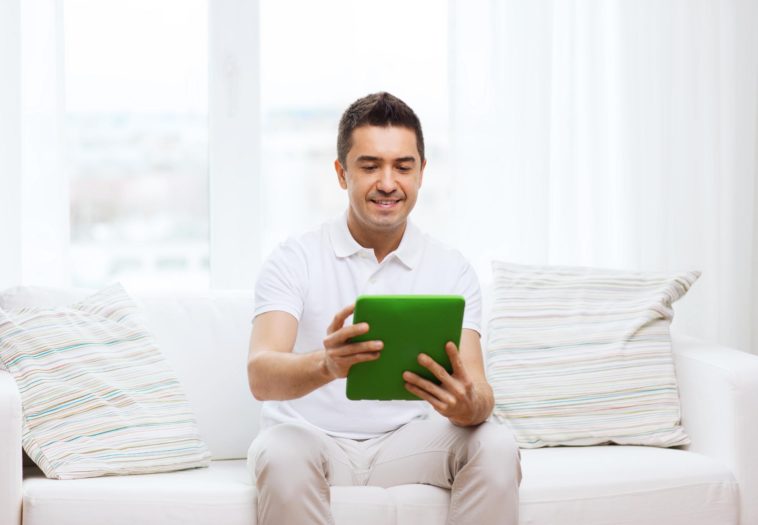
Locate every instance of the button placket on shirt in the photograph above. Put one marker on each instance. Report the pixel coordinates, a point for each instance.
(375, 268)
(373, 276)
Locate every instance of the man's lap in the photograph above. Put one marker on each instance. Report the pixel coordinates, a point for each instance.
(429, 451)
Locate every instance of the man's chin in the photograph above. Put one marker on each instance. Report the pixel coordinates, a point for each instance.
(387, 223)
(381, 220)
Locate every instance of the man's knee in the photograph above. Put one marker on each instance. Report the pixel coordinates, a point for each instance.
(286, 448)
(497, 450)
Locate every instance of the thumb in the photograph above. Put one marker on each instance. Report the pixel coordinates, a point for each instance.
(339, 318)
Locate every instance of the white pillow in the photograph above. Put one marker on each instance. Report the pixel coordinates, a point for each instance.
(97, 396)
(582, 356)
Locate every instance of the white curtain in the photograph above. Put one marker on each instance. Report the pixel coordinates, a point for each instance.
(615, 134)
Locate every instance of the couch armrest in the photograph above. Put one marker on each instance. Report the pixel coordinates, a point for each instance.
(10, 451)
(718, 387)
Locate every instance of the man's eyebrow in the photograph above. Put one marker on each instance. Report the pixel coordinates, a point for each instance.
(371, 158)
(367, 158)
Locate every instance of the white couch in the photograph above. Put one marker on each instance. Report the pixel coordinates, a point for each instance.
(205, 337)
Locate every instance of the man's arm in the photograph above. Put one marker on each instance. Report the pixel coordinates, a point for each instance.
(275, 372)
(464, 397)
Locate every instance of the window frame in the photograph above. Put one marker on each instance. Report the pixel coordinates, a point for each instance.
(234, 137)
(10, 143)
(35, 201)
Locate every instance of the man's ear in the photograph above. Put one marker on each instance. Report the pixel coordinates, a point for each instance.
(421, 173)
(340, 174)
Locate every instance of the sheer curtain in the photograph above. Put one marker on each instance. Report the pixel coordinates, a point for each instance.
(615, 134)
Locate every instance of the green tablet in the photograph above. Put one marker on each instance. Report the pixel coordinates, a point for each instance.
(408, 325)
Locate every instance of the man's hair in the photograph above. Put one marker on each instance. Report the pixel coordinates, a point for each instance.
(377, 109)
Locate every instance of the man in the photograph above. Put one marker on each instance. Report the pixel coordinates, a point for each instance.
(313, 436)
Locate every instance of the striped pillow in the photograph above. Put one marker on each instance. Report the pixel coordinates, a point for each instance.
(581, 356)
(97, 396)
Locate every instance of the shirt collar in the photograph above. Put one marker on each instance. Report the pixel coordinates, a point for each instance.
(408, 252)
(342, 240)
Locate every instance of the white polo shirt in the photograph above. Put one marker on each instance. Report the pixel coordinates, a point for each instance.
(317, 274)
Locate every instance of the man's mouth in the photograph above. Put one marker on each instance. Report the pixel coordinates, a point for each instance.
(385, 203)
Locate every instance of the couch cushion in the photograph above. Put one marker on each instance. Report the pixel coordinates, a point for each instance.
(420, 504)
(625, 485)
(218, 494)
(97, 395)
(602, 485)
(582, 356)
(613, 485)
(221, 493)
(204, 337)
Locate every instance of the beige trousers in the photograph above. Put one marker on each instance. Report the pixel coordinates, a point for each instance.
(293, 467)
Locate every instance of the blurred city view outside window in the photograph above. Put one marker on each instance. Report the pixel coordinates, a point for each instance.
(137, 136)
(136, 142)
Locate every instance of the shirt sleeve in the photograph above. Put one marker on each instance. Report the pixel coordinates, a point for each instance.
(283, 281)
(468, 287)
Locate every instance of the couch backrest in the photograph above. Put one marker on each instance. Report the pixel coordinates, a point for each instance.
(204, 337)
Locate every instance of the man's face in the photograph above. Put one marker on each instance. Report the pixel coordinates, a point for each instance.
(382, 177)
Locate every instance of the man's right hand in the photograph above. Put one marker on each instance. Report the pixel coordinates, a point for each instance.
(339, 353)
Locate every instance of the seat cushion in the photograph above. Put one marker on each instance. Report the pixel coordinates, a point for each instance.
(625, 485)
(619, 485)
(221, 493)
(602, 485)
(420, 504)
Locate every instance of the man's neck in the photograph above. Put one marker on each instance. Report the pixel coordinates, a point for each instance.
(382, 242)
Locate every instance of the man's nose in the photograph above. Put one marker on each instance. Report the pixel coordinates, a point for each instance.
(386, 182)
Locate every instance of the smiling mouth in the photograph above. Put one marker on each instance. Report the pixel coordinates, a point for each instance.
(386, 203)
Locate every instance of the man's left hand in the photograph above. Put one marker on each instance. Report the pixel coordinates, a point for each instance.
(455, 397)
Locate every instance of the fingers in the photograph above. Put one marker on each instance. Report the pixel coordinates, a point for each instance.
(359, 358)
(427, 386)
(342, 335)
(439, 398)
(340, 353)
(355, 348)
(455, 359)
(436, 403)
(451, 382)
(434, 367)
(339, 319)
(454, 390)
(341, 358)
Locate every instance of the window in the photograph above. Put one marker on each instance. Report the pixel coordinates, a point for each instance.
(316, 59)
(191, 153)
(136, 141)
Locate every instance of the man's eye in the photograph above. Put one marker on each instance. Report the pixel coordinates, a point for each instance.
(369, 167)
(404, 169)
